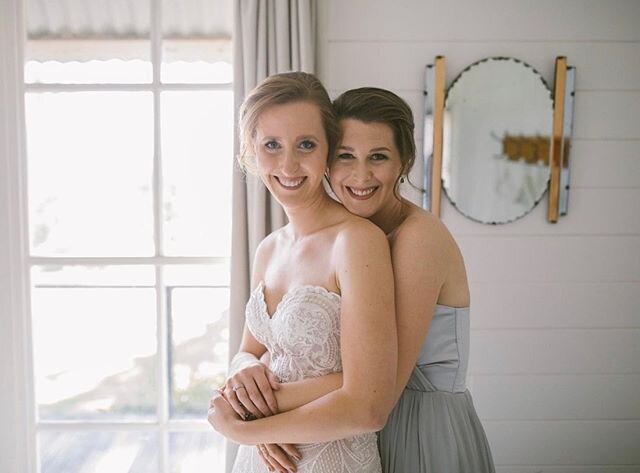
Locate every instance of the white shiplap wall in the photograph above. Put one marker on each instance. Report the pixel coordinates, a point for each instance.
(555, 362)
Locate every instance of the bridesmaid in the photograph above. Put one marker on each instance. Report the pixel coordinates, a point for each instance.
(434, 427)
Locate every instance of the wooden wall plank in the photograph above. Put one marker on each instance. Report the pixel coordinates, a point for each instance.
(517, 20)
(555, 351)
(571, 443)
(557, 397)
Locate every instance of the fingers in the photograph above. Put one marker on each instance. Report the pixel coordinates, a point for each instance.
(266, 395)
(230, 396)
(291, 450)
(215, 395)
(278, 458)
(273, 380)
(246, 401)
(268, 462)
(252, 387)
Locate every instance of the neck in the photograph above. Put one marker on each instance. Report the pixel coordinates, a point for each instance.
(311, 216)
(391, 215)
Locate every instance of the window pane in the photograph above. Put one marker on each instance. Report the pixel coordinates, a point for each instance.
(196, 452)
(94, 349)
(197, 274)
(90, 173)
(88, 41)
(73, 276)
(98, 452)
(200, 347)
(196, 46)
(197, 156)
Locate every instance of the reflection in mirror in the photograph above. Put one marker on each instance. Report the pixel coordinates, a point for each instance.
(497, 127)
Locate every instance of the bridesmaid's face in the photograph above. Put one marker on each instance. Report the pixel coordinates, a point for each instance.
(291, 152)
(365, 172)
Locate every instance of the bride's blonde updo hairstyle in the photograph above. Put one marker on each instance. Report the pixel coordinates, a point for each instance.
(282, 89)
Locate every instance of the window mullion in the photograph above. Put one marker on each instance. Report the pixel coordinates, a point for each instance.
(162, 332)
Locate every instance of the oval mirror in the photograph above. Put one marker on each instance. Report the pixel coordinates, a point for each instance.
(497, 127)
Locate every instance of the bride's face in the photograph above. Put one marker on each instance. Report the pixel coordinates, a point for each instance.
(291, 152)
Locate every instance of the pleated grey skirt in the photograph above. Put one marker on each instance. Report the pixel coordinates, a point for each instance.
(434, 432)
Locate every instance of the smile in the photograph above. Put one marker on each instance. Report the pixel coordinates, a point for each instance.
(362, 194)
(290, 184)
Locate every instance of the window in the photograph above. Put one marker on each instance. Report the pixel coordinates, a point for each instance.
(129, 129)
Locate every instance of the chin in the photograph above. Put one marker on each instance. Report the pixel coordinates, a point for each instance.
(357, 208)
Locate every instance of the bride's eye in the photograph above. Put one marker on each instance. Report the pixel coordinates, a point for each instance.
(271, 145)
(345, 156)
(307, 145)
(378, 157)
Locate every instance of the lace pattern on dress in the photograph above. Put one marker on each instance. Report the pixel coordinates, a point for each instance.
(303, 339)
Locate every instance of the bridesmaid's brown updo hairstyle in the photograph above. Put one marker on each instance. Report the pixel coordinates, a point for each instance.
(374, 105)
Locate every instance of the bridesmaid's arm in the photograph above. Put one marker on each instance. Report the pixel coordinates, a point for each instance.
(419, 251)
(368, 346)
(420, 269)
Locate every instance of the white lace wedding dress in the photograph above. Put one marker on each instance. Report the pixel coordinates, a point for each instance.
(303, 338)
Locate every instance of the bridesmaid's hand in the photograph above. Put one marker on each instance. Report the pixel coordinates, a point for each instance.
(250, 391)
(277, 457)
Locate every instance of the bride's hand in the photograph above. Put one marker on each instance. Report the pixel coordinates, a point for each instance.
(250, 390)
(222, 417)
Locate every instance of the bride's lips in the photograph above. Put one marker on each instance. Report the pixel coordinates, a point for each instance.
(361, 193)
(290, 183)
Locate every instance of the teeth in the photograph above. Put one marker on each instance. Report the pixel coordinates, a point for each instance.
(290, 182)
(362, 192)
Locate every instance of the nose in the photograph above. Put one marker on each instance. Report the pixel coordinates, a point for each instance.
(290, 164)
(361, 171)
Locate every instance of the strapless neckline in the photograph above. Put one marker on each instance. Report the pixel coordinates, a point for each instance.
(289, 294)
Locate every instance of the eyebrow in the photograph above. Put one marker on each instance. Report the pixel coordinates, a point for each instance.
(381, 148)
(298, 138)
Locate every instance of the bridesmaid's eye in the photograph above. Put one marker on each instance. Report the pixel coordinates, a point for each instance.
(379, 157)
(345, 156)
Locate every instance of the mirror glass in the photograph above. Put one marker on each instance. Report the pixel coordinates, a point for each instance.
(497, 127)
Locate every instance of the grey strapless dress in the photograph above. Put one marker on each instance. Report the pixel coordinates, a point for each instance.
(434, 427)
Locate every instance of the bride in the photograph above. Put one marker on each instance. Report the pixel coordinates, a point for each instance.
(322, 300)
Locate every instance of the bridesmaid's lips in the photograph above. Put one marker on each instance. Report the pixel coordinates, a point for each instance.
(355, 196)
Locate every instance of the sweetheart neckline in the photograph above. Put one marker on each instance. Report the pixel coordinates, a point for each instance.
(288, 294)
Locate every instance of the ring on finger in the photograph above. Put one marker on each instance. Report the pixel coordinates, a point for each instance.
(249, 416)
(239, 386)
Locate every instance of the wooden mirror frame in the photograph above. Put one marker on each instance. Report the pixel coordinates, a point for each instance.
(564, 89)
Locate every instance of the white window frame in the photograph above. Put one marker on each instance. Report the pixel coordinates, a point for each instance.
(17, 452)
(18, 428)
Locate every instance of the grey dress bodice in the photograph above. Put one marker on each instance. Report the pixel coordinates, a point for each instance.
(444, 357)
(434, 427)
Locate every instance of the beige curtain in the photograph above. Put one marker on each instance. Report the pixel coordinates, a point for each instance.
(270, 36)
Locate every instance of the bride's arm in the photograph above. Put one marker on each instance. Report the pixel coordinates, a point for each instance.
(285, 396)
(368, 348)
